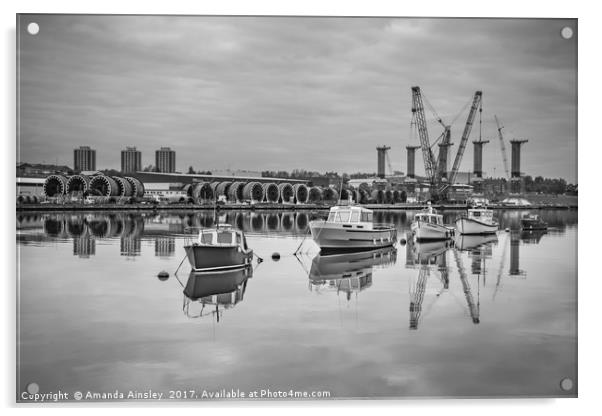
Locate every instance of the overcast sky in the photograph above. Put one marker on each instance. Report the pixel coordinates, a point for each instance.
(281, 93)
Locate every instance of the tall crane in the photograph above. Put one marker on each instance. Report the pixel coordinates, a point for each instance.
(419, 119)
(476, 105)
(501, 136)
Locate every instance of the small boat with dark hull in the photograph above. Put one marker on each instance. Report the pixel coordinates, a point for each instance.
(350, 227)
(477, 221)
(531, 222)
(219, 248)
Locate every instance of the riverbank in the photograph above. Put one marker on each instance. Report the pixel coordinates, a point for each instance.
(261, 206)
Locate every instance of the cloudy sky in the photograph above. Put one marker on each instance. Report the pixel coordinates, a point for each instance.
(280, 93)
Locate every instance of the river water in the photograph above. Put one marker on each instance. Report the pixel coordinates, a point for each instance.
(485, 316)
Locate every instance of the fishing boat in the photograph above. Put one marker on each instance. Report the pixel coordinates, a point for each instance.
(350, 227)
(532, 222)
(477, 221)
(428, 225)
(219, 248)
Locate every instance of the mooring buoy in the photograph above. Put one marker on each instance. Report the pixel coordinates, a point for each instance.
(402, 241)
(275, 256)
(163, 275)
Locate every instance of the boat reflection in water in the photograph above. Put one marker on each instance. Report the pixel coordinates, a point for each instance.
(349, 272)
(532, 237)
(464, 242)
(211, 292)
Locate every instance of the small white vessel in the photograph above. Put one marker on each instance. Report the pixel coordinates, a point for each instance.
(428, 225)
(350, 227)
(477, 221)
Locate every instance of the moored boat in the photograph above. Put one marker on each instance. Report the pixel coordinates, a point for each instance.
(428, 225)
(219, 248)
(351, 227)
(532, 222)
(477, 221)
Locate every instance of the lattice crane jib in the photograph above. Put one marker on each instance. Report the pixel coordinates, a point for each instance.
(419, 119)
(503, 146)
(476, 105)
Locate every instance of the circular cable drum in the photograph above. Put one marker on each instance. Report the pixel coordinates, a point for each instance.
(235, 193)
(78, 183)
(330, 195)
(378, 196)
(125, 187)
(214, 188)
(396, 196)
(223, 188)
(253, 191)
(55, 185)
(271, 192)
(286, 192)
(137, 186)
(360, 196)
(187, 189)
(104, 186)
(202, 192)
(315, 194)
(301, 193)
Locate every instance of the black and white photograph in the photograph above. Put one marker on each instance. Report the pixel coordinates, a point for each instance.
(289, 208)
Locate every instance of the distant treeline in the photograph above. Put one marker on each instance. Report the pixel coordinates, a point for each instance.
(554, 186)
(307, 174)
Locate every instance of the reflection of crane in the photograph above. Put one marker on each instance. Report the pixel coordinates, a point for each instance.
(417, 296)
(503, 146)
(502, 261)
(472, 307)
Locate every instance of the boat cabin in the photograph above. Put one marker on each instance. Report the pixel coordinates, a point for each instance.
(350, 215)
(482, 215)
(224, 235)
(429, 216)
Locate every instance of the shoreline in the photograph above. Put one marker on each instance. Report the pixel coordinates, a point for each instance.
(264, 207)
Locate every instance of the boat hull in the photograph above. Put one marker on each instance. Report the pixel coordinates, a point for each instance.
(429, 231)
(332, 237)
(471, 226)
(203, 257)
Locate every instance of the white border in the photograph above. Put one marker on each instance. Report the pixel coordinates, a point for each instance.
(590, 133)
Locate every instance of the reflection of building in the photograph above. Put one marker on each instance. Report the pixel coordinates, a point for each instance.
(130, 246)
(84, 246)
(514, 255)
(84, 158)
(165, 246)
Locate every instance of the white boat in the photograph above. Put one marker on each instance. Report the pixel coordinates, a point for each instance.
(219, 248)
(351, 227)
(428, 225)
(477, 221)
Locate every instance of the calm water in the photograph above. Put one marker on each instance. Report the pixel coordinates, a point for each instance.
(486, 317)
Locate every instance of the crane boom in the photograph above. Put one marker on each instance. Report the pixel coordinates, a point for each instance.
(476, 103)
(419, 119)
(503, 146)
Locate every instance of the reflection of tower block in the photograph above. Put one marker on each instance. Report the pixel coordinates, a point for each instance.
(165, 246)
(130, 246)
(514, 255)
(84, 246)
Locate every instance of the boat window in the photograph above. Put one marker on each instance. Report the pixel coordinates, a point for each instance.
(476, 214)
(355, 216)
(331, 217)
(224, 238)
(366, 217)
(343, 216)
(207, 238)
